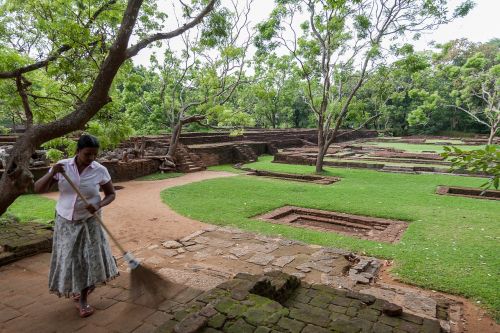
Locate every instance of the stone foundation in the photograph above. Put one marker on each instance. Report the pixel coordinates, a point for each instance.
(366, 227)
(278, 302)
(19, 240)
(122, 171)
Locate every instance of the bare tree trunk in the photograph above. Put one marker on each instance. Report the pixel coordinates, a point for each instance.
(320, 159)
(174, 140)
(17, 177)
(493, 132)
(321, 146)
(176, 133)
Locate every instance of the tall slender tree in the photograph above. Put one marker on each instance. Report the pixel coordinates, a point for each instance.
(341, 44)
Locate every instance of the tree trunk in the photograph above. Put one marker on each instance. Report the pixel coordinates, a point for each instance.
(17, 177)
(493, 132)
(321, 146)
(174, 140)
(320, 158)
(176, 133)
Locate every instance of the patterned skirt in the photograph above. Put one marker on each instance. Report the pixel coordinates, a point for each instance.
(81, 256)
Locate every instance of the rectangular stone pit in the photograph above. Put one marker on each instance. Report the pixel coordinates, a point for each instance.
(468, 192)
(365, 227)
(315, 179)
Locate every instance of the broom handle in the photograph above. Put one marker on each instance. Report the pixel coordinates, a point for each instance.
(70, 182)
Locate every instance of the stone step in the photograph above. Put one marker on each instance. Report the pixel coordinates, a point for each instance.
(397, 169)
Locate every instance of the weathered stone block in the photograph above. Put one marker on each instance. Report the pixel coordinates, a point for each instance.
(191, 324)
(217, 321)
(312, 315)
(292, 326)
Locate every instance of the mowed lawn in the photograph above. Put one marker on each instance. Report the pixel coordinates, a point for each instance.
(33, 208)
(418, 148)
(452, 243)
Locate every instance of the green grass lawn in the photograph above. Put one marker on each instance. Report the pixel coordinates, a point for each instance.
(418, 148)
(32, 207)
(452, 243)
(225, 167)
(160, 176)
(449, 141)
(375, 161)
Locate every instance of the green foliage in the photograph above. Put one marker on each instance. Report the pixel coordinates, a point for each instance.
(4, 130)
(486, 161)
(63, 145)
(110, 134)
(54, 155)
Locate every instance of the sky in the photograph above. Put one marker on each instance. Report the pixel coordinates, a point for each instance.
(480, 25)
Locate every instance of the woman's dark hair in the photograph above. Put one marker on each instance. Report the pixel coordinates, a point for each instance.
(87, 141)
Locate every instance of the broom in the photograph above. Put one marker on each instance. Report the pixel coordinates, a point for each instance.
(142, 278)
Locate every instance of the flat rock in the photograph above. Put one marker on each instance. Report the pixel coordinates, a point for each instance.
(299, 275)
(261, 259)
(282, 261)
(170, 253)
(191, 324)
(171, 244)
(304, 267)
(193, 235)
(337, 281)
(196, 247)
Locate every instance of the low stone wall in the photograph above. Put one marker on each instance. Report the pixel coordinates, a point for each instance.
(223, 153)
(119, 171)
(122, 171)
(19, 240)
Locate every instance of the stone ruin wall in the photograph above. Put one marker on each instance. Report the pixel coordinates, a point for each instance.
(212, 148)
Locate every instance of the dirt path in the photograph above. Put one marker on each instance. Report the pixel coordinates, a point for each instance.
(138, 217)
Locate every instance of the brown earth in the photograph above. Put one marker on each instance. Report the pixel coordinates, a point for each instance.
(138, 217)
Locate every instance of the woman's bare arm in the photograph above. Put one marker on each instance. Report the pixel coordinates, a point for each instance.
(43, 184)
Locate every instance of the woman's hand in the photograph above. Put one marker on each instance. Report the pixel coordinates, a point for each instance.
(92, 208)
(57, 168)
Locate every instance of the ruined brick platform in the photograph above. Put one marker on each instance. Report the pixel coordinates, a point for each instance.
(277, 302)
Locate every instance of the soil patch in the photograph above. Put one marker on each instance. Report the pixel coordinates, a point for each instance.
(366, 227)
(468, 192)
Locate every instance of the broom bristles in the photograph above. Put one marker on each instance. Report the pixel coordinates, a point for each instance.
(146, 280)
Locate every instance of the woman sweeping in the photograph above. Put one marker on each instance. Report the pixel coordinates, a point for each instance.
(81, 256)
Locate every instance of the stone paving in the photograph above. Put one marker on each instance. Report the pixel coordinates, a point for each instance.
(18, 240)
(277, 302)
(199, 263)
(213, 255)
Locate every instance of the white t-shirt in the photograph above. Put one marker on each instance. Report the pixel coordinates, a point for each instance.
(69, 205)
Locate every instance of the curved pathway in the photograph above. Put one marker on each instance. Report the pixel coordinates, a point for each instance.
(138, 216)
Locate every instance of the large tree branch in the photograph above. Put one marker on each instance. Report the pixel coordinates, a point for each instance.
(133, 50)
(470, 114)
(22, 84)
(358, 128)
(55, 55)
